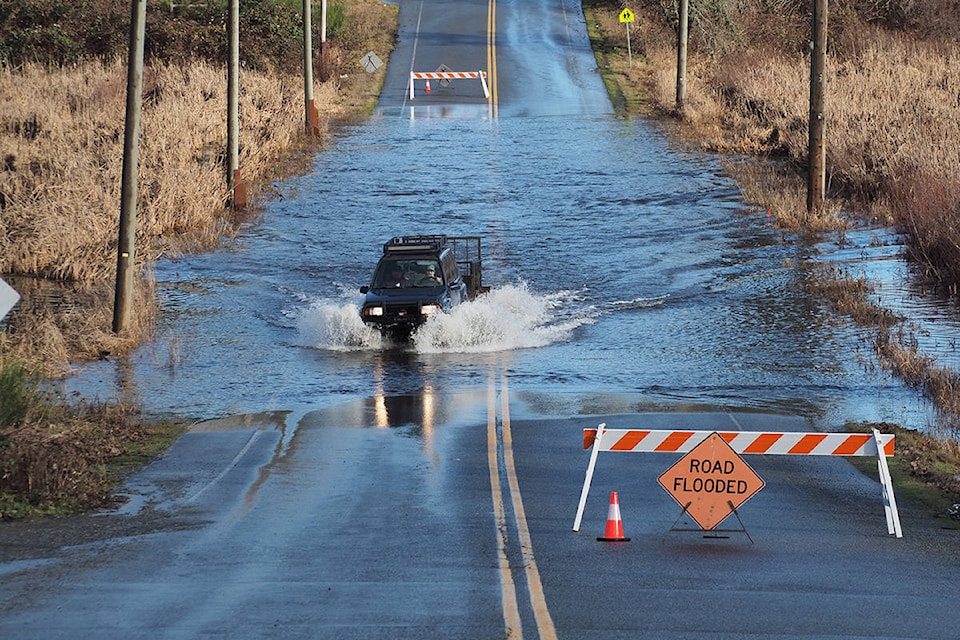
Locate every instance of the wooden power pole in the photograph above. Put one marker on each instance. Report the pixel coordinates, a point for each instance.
(237, 187)
(126, 244)
(682, 31)
(311, 115)
(816, 151)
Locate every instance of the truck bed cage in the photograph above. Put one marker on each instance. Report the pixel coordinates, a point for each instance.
(411, 244)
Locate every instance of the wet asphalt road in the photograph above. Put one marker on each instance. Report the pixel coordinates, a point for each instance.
(327, 525)
(433, 514)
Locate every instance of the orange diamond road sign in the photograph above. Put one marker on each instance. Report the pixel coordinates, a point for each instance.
(711, 481)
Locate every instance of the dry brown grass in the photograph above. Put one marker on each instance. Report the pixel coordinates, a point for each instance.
(61, 135)
(63, 130)
(893, 114)
(62, 176)
(780, 192)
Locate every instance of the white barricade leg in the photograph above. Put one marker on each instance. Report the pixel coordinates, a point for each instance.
(483, 81)
(889, 500)
(411, 85)
(589, 476)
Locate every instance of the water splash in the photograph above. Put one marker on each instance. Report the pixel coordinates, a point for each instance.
(336, 326)
(506, 318)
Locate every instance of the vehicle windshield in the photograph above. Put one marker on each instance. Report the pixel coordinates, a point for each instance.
(408, 274)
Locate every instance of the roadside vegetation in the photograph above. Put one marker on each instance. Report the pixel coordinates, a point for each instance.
(893, 99)
(62, 107)
(893, 146)
(57, 458)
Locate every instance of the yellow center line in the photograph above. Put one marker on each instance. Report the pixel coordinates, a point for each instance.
(492, 56)
(508, 590)
(537, 599)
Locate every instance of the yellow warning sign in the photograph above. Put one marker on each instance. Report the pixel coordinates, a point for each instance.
(626, 15)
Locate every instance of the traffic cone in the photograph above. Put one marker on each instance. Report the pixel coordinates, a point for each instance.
(614, 530)
(427, 88)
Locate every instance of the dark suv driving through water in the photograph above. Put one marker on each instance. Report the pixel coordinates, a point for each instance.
(418, 276)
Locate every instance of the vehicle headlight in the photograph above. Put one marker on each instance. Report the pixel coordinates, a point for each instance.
(373, 311)
(429, 309)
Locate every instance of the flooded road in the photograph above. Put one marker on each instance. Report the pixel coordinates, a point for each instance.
(630, 284)
(620, 268)
(624, 271)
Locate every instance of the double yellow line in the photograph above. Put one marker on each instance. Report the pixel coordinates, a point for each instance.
(492, 56)
(508, 591)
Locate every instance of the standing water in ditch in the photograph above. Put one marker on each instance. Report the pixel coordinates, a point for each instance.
(625, 276)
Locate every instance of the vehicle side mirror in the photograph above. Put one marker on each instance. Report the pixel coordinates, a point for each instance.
(364, 289)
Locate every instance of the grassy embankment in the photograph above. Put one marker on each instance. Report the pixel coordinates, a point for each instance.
(62, 104)
(893, 127)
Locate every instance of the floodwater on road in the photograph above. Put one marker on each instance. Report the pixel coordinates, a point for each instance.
(626, 275)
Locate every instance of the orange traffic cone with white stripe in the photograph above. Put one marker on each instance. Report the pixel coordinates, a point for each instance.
(614, 530)
(427, 88)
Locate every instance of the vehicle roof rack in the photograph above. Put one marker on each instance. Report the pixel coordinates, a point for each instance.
(411, 244)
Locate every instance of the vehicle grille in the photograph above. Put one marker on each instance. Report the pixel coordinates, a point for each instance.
(402, 312)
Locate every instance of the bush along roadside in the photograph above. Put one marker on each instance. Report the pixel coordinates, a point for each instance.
(56, 458)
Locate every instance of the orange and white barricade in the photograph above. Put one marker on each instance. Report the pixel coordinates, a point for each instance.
(748, 442)
(448, 75)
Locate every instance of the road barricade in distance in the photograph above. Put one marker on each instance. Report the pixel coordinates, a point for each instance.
(449, 75)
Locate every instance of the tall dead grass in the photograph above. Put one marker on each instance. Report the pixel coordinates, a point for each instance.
(892, 109)
(892, 116)
(61, 154)
(63, 136)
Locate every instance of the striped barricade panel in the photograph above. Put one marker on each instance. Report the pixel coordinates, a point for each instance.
(447, 75)
(743, 442)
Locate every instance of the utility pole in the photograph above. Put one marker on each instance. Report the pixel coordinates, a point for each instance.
(238, 189)
(323, 31)
(312, 116)
(682, 30)
(816, 149)
(126, 243)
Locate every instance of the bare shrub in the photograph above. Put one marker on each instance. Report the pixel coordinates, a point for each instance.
(927, 207)
(59, 457)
